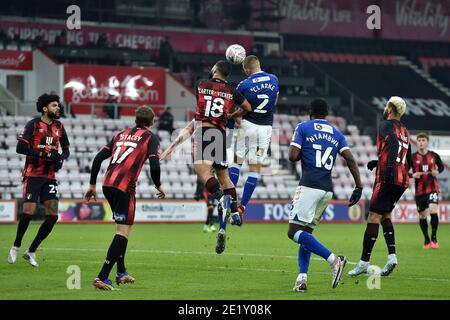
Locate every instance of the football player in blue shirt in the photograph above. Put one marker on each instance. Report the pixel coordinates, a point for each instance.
(255, 130)
(316, 144)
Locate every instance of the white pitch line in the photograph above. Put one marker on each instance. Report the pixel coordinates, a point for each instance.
(237, 269)
(230, 254)
(192, 253)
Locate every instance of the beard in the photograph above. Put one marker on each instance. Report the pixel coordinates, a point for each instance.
(210, 75)
(385, 115)
(53, 115)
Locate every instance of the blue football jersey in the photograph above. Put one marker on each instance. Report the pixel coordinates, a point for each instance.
(261, 91)
(320, 142)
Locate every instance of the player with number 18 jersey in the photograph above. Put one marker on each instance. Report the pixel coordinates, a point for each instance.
(216, 99)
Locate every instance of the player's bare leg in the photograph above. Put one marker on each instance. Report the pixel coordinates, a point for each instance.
(29, 209)
(424, 227)
(434, 221)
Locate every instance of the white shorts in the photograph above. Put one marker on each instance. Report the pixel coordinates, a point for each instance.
(254, 140)
(308, 206)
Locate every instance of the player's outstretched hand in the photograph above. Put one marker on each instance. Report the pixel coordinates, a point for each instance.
(91, 193)
(356, 195)
(161, 193)
(372, 164)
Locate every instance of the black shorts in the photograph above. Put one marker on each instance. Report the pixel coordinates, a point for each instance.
(210, 145)
(385, 197)
(35, 188)
(123, 205)
(423, 201)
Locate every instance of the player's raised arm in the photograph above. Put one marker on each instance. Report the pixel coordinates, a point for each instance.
(244, 108)
(184, 134)
(104, 154)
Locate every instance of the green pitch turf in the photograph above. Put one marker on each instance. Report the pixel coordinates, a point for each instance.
(176, 261)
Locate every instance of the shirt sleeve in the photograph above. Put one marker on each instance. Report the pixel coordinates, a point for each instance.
(241, 87)
(297, 138)
(439, 163)
(64, 139)
(342, 143)
(388, 134)
(413, 158)
(153, 147)
(27, 134)
(238, 97)
(109, 145)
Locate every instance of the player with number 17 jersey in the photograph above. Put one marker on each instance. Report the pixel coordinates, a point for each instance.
(129, 148)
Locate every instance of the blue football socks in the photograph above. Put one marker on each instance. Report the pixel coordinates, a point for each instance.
(309, 242)
(249, 187)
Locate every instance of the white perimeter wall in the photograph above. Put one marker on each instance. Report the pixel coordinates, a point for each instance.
(48, 75)
(179, 97)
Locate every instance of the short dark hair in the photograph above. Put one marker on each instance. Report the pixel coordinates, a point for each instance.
(423, 135)
(44, 100)
(319, 108)
(144, 116)
(223, 67)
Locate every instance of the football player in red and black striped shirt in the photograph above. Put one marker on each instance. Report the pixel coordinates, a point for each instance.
(40, 141)
(392, 179)
(426, 167)
(128, 150)
(216, 99)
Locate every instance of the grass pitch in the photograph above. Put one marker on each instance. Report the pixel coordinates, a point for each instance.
(178, 261)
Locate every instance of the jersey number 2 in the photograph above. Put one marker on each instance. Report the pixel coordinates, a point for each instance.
(260, 107)
(324, 159)
(131, 147)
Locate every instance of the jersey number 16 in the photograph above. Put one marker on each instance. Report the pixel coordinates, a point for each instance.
(324, 159)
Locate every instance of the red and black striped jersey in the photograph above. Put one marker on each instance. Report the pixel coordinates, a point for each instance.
(42, 137)
(394, 153)
(215, 100)
(129, 149)
(426, 163)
